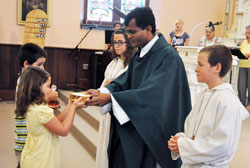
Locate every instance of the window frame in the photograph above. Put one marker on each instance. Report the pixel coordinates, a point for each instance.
(116, 3)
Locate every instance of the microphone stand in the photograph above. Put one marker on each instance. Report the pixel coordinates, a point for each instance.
(194, 28)
(77, 57)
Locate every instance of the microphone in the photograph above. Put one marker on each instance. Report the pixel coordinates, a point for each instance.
(118, 12)
(213, 24)
(218, 23)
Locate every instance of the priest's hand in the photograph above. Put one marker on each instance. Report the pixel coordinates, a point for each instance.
(99, 100)
(173, 145)
(92, 92)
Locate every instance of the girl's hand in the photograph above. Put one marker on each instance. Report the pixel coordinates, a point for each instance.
(54, 105)
(69, 103)
(108, 81)
(78, 103)
(52, 100)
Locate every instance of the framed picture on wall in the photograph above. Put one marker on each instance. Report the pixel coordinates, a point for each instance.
(25, 6)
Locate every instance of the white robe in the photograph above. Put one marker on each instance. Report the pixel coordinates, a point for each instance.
(113, 70)
(215, 121)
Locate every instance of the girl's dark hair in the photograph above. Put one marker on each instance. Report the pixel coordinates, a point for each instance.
(30, 52)
(219, 54)
(29, 90)
(130, 50)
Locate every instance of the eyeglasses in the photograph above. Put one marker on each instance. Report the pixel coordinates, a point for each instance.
(119, 43)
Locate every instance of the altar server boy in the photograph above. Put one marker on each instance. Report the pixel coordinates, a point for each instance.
(212, 128)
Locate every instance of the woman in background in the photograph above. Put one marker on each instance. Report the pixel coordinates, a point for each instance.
(244, 71)
(210, 38)
(178, 37)
(122, 51)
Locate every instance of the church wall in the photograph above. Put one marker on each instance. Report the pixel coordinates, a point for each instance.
(65, 31)
(192, 12)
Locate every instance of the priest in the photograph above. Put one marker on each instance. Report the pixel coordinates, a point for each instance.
(149, 102)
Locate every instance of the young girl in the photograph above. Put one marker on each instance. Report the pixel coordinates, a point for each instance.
(178, 37)
(29, 54)
(122, 51)
(42, 146)
(212, 129)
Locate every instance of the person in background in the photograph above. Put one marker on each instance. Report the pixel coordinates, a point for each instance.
(117, 25)
(28, 55)
(150, 101)
(212, 128)
(122, 52)
(178, 37)
(210, 38)
(244, 71)
(41, 149)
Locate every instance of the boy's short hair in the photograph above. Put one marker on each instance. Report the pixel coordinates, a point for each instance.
(143, 17)
(219, 54)
(30, 52)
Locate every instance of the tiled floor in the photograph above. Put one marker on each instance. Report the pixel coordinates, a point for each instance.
(73, 156)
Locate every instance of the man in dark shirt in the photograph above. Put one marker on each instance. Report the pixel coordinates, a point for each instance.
(150, 101)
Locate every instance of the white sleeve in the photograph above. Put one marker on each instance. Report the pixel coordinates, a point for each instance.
(119, 113)
(106, 108)
(174, 155)
(219, 145)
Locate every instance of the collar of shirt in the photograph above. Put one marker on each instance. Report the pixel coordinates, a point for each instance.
(212, 40)
(147, 47)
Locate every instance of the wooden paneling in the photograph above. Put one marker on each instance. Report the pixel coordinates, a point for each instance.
(59, 64)
(9, 67)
